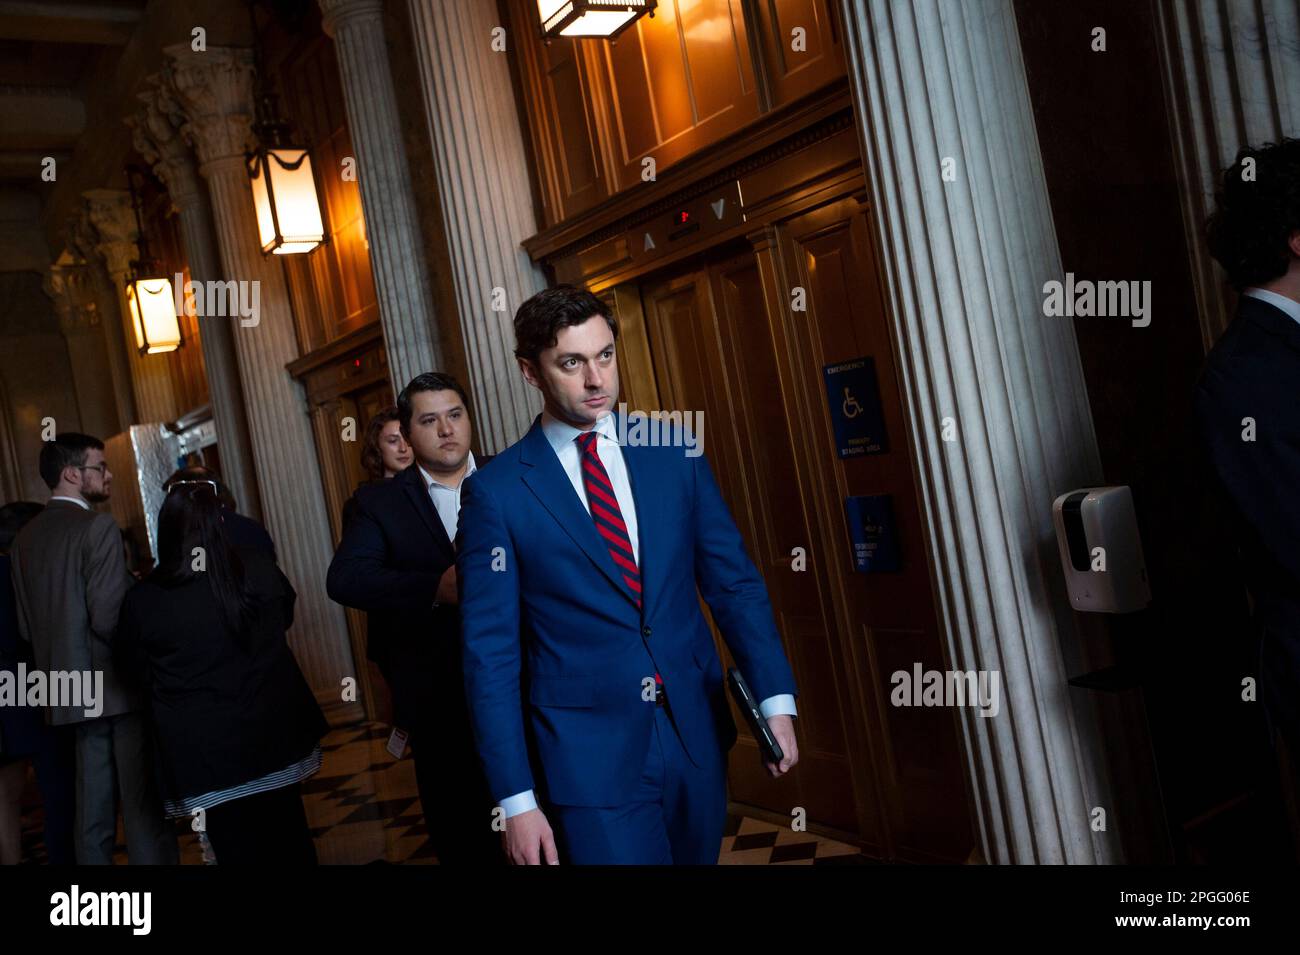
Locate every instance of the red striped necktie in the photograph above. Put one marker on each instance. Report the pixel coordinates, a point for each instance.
(606, 513)
(608, 516)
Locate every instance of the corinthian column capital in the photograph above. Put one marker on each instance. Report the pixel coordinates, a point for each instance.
(155, 132)
(109, 213)
(214, 91)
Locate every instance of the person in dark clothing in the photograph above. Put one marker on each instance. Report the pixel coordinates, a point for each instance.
(397, 563)
(384, 453)
(243, 532)
(24, 734)
(1248, 412)
(236, 725)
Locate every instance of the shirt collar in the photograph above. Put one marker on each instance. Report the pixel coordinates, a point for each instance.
(560, 433)
(75, 500)
(1288, 305)
(430, 482)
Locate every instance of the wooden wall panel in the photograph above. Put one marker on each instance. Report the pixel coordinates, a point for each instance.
(794, 73)
(679, 82)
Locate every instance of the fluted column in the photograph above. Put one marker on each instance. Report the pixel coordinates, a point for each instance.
(69, 287)
(965, 263)
(110, 212)
(83, 243)
(214, 89)
(1232, 78)
(483, 184)
(411, 335)
(157, 138)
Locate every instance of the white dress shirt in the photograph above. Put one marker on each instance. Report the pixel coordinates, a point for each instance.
(75, 500)
(1288, 305)
(446, 499)
(562, 438)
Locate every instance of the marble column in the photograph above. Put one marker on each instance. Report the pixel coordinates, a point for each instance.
(110, 212)
(69, 287)
(214, 91)
(483, 184)
(1232, 78)
(83, 243)
(157, 138)
(411, 334)
(965, 262)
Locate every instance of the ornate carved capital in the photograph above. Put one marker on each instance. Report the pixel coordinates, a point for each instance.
(109, 212)
(214, 92)
(155, 131)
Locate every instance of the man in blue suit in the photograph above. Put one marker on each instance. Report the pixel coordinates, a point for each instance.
(595, 690)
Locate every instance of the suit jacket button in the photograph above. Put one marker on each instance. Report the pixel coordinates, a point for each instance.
(645, 631)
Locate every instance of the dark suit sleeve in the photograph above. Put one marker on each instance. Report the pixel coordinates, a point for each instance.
(107, 578)
(734, 591)
(359, 575)
(489, 611)
(1257, 475)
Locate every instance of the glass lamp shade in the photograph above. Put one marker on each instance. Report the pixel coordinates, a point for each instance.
(153, 315)
(590, 18)
(284, 194)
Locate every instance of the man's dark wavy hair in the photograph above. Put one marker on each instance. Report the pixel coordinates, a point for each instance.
(1253, 220)
(539, 320)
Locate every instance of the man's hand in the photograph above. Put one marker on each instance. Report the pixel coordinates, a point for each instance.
(447, 587)
(528, 839)
(782, 727)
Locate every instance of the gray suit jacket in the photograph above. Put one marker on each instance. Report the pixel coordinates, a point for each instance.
(69, 576)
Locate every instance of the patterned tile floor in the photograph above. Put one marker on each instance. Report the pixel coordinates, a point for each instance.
(362, 807)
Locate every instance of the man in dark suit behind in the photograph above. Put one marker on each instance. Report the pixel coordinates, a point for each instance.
(69, 576)
(1248, 411)
(397, 562)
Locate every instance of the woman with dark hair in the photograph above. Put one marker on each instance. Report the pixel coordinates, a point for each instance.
(384, 452)
(236, 725)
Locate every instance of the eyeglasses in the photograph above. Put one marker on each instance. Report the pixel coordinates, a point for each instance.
(102, 468)
(175, 484)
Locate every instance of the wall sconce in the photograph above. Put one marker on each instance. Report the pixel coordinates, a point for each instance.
(603, 19)
(149, 292)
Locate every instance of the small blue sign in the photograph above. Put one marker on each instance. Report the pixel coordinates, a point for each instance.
(853, 395)
(874, 535)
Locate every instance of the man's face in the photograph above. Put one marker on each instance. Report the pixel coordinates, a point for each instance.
(95, 477)
(440, 429)
(578, 376)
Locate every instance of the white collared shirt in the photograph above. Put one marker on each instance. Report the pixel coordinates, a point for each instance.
(562, 438)
(446, 499)
(1288, 305)
(75, 500)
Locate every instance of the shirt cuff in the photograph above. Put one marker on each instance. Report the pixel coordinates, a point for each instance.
(780, 705)
(519, 802)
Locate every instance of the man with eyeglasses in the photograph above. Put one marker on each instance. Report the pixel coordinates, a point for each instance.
(69, 577)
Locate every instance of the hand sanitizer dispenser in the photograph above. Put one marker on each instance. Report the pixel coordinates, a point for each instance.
(1101, 551)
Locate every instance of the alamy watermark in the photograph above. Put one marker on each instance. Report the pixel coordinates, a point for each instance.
(57, 688)
(660, 429)
(981, 688)
(216, 299)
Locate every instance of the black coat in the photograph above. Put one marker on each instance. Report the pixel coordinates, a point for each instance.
(393, 553)
(222, 715)
(1254, 372)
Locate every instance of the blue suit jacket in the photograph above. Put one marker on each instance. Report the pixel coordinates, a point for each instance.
(555, 648)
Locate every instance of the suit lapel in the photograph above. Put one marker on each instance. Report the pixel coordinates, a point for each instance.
(413, 486)
(550, 484)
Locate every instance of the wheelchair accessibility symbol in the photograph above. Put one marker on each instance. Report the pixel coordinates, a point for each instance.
(851, 408)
